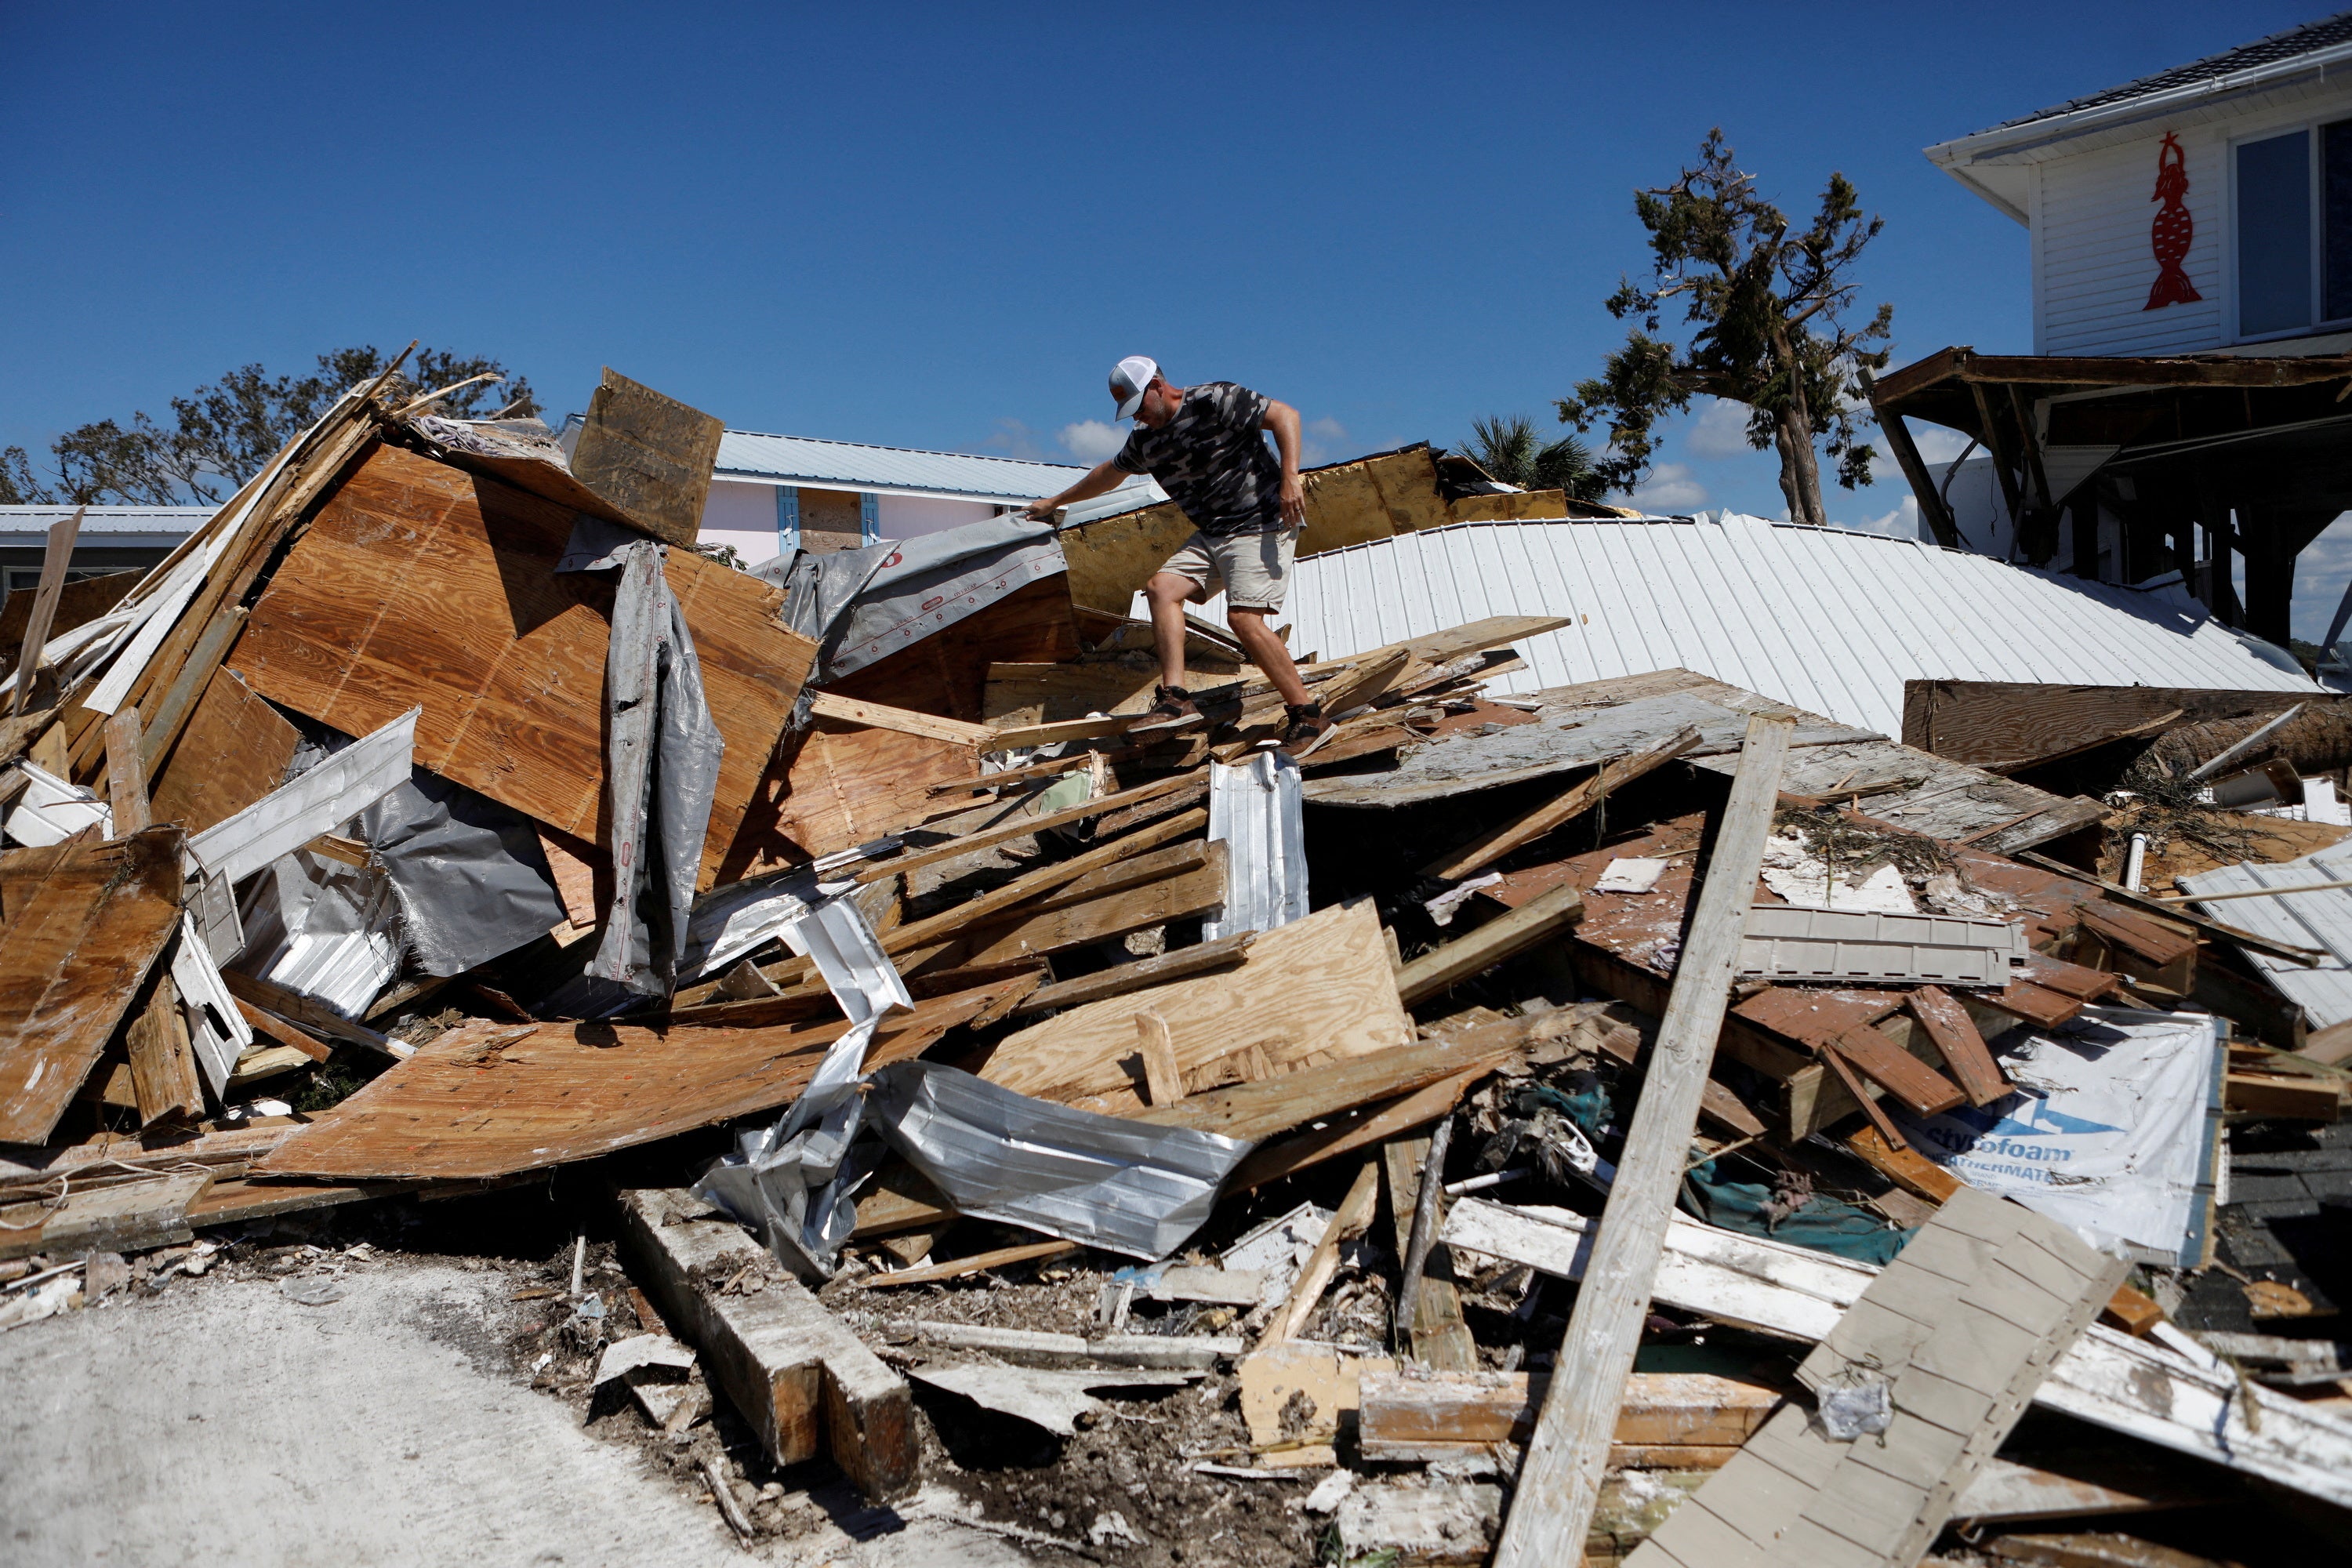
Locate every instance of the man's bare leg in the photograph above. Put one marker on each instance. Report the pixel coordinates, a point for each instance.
(1167, 593)
(1266, 650)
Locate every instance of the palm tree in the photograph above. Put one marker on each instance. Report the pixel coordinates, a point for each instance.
(1511, 448)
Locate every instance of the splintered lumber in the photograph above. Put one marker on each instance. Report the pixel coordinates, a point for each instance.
(54, 559)
(647, 455)
(418, 584)
(1568, 804)
(1957, 1040)
(1428, 1305)
(1353, 1215)
(1151, 889)
(978, 1263)
(126, 773)
(127, 1216)
(1505, 936)
(1163, 1080)
(1120, 979)
(881, 716)
(86, 923)
(2137, 1387)
(1956, 1333)
(1421, 1418)
(1371, 1126)
(1018, 825)
(806, 1385)
(284, 1033)
(308, 1011)
(1316, 990)
(163, 1063)
(1919, 1087)
(1560, 1478)
(235, 750)
(490, 1100)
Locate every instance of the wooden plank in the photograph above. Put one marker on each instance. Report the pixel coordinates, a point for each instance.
(1350, 1219)
(1568, 803)
(1121, 979)
(1437, 1334)
(1504, 937)
(882, 716)
(1023, 737)
(235, 750)
(1019, 826)
(647, 455)
(130, 1216)
(309, 1012)
(86, 923)
(977, 1263)
(1560, 1480)
(1318, 987)
(806, 1386)
(55, 557)
(1920, 1087)
(177, 705)
(1402, 1418)
(513, 700)
(1045, 693)
(126, 773)
(1961, 1047)
(2013, 724)
(163, 1063)
(79, 602)
(284, 1033)
(1163, 1081)
(1070, 918)
(491, 1099)
(845, 784)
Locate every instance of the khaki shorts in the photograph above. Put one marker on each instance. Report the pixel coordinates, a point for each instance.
(1254, 568)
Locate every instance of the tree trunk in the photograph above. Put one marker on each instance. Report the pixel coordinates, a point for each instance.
(1800, 476)
(2316, 740)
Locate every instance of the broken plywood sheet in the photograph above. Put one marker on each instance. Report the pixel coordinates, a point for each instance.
(235, 750)
(504, 655)
(1558, 742)
(847, 783)
(1315, 990)
(489, 1099)
(84, 923)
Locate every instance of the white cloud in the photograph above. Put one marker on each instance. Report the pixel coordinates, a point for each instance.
(1015, 440)
(1322, 435)
(1327, 429)
(1721, 431)
(1903, 522)
(1938, 444)
(1670, 488)
(1092, 440)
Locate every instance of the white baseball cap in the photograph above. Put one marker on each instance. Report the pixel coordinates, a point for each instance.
(1128, 377)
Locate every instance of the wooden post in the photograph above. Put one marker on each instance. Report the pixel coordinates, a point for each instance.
(1560, 1480)
(44, 603)
(1914, 467)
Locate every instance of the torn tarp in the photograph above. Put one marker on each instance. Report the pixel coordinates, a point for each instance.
(472, 880)
(931, 582)
(662, 752)
(819, 590)
(1125, 1186)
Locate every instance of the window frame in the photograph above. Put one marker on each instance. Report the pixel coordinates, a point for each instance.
(2315, 198)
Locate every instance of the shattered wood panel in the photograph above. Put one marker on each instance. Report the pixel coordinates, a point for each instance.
(947, 672)
(647, 454)
(1345, 506)
(847, 783)
(1319, 989)
(491, 1098)
(418, 584)
(235, 750)
(78, 603)
(2006, 724)
(1525, 506)
(1111, 558)
(86, 923)
(1048, 693)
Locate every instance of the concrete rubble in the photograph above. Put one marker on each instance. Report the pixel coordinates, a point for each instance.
(1636, 1117)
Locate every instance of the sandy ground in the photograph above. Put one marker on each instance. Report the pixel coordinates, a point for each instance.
(225, 1423)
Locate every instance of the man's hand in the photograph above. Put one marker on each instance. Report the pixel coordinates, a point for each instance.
(1294, 501)
(1041, 510)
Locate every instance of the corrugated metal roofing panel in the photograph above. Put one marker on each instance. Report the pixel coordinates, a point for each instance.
(2321, 920)
(108, 519)
(852, 466)
(1831, 620)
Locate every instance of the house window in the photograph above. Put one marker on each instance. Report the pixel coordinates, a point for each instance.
(869, 518)
(2294, 272)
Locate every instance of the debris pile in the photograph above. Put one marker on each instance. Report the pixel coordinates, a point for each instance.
(1639, 1119)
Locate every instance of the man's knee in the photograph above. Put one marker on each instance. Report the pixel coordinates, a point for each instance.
(1169, 588)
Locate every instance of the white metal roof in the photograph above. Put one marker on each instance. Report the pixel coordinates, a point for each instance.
(173, 520)
(2321, 920)
(1830, 620)
(847, 464)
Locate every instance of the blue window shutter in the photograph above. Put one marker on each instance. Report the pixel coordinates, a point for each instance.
(869, 518)
(788, 519)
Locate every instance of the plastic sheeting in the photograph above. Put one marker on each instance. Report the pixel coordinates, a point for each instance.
(819, 590)
(928, 583)
(662, 755)
(471, 878)
(1125, 1186)
(2111, 1129)
(1257, 809)
(328, 931)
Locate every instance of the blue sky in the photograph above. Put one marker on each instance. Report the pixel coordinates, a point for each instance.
(939, 226)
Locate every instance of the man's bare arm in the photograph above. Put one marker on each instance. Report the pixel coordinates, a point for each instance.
(1106, 476)
(1283, 420)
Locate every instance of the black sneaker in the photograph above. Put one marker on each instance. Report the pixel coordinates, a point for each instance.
(1308, 729)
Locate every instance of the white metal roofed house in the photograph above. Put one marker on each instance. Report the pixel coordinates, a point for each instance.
(1828, 619)
(112, 539)
(2191, 282)
(772, 494)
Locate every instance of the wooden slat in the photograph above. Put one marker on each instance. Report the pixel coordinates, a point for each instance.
(284, 1033)
(1903, 1165)
(1121, 979)
(882, 716)
(513, 700)
(163, 1063)
(175, 708)
(1962, 1047)
(1350, 1219)
(1504, 937)
(1437, 1336)
(847, 784)
(1400, 1415)
(126, 773)
(1568, 804)
(1920, 1087)
(55, 557)
(1858, 1093)
(86, 923)
(1018, 825)
(1560, 1480)
(1072, 919)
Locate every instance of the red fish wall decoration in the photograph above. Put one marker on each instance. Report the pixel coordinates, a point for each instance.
(2170, 234)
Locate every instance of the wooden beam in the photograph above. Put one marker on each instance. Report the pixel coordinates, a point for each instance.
(1923, 1090)
(1568, 804)
(163, 1065)
(284, 1033)
(311, 1013)
(126, 773)
(1022, 827)
(179, 699)
(1163, 1080)
(1170, 884)
(1432, 1331)
(1504, 937)
(1121, 979)
(54, 561)
(1842, 1069)
(882, 716)
(1408, 1417)
(1914, 467)
(1962, 1047)
(1903, 1165)
(1560, 1480)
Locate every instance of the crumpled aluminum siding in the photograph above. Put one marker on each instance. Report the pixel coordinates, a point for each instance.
(850, 465)
(1830, 620)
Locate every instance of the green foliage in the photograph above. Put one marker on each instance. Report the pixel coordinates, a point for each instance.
(1763, 311)
(1511, 448)
(223, 433)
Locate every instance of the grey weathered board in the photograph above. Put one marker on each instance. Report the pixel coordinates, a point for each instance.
(2003, 724)
(1961, 1327)
(1561, 740)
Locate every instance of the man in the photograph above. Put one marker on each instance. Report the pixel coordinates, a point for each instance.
(1205, 445)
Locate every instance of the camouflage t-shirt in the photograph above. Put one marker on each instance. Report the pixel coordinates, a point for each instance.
(1213, 461)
